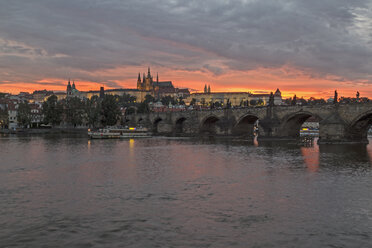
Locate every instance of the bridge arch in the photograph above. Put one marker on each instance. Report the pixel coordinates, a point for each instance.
(245, 125)
(155, 124)
(359, 126)
(291, 124)
(179, 125)
(208, 125)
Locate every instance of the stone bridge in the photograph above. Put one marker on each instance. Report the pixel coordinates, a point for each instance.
(339, 123)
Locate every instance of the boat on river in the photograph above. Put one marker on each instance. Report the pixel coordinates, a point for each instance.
(119, 133)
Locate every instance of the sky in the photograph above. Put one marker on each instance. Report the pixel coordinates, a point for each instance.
(302, 47)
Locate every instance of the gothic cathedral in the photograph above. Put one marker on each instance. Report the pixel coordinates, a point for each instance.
(147, 83)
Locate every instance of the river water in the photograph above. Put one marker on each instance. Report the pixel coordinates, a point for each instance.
(161, 192)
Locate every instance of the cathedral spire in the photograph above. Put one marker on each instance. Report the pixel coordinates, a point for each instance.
(157, 77)
(68, 90)
(139, 76)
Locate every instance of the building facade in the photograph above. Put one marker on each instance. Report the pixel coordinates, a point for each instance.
(71, 90)
(234, 98)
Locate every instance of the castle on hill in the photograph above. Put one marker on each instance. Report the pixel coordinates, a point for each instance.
(159, 89)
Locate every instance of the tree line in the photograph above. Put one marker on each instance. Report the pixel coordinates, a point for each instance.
(93, 112)
(73, 111)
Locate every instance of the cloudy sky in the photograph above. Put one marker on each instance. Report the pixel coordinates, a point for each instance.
(300, 46)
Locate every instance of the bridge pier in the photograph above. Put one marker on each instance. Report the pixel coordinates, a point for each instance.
(338, 133)
(270, 129)
(246, 130)
(334, 130)
(164, 128)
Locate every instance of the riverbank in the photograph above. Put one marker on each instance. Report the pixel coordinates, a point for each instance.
(45, 131)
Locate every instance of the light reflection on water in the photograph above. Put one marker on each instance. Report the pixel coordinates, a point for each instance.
(64, 192)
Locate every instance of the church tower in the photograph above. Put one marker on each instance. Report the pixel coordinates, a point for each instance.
(139, 83)
(69, 89)
(148, 81)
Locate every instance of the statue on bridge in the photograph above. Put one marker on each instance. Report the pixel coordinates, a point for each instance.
(335, 97)
(271, 99)
(294, 100)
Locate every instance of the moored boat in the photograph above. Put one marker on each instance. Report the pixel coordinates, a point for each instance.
(103, 134)
(117, 133)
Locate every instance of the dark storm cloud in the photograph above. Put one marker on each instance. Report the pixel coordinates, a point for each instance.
(80, 37)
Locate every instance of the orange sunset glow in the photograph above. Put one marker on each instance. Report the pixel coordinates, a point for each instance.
(257, 81)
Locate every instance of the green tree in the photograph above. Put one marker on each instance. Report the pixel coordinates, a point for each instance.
(24, 114)
(181, 101)
(143, 107)
(217, 104)
(93, 111)
(4, 117)
(127, 100)
(193, 101)
(253, 102)
(74, 111)
(165, 100)
(149, 98)
(110, 111)
(52, 111)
